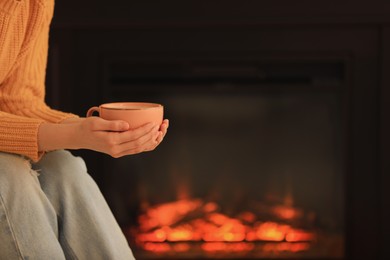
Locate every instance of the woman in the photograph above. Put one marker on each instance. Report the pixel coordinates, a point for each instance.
(50, 208)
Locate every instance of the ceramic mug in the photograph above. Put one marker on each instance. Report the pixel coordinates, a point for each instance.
(135, 113)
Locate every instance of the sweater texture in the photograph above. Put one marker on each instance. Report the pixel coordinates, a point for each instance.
(24, 35)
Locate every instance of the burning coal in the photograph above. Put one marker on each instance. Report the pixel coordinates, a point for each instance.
(181, 225)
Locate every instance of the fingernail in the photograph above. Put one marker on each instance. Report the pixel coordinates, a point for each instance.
(125, 125)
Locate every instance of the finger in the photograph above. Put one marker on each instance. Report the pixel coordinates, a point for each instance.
(138, 147)
(100, 124)
(163, 130)
(145, 142)
(164, 125)
(139, 135)
(160, 137)
(132, 139)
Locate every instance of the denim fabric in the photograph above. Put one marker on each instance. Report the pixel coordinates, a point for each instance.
(54, 210)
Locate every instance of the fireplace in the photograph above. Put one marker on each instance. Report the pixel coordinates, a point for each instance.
(253, 166)
(273, 150)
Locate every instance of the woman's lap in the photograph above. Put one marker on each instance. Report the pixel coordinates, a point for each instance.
(54, 208)
(28, 215)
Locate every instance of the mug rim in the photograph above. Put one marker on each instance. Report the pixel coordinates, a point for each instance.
(142, 105)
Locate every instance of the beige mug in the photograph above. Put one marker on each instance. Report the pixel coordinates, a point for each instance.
(135, 113)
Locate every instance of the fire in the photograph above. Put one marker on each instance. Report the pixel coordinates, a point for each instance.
(269, 231)
(227, 247)
(167, 214)
(287, 212)
(288, 247)
(299, 235)
(176, 226)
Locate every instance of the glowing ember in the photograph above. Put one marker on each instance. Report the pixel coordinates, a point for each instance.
(270, 231)
(227, 247)
(157, 248)
(286, 212)
(299, 235)
(288, 247)
(167, 214)
(174, 226)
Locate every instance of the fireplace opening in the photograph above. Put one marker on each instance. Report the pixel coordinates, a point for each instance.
(252, 167)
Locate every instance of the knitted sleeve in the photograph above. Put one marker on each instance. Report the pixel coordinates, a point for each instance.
(19, 135)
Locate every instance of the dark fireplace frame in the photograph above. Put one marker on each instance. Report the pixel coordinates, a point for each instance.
(360, 33)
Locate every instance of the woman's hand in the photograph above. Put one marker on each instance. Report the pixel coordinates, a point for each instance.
(94, 133)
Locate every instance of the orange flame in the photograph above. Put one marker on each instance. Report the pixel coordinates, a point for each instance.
(192, 220)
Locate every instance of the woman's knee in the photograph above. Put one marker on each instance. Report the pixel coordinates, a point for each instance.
(15, 169)
(61, 167)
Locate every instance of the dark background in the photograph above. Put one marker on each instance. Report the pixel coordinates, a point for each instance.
(86, 33)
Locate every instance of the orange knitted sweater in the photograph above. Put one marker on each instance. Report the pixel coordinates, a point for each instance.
(24, 33)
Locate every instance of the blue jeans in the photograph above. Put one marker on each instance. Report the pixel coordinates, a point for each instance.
(54, 210)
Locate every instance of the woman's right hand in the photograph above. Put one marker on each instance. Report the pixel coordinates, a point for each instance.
(94, 133)
(115, 138)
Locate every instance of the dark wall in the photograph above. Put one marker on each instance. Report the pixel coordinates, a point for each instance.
(178, 12)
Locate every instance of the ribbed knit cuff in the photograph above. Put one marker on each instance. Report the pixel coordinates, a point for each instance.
(20, 136)
(9, 6)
